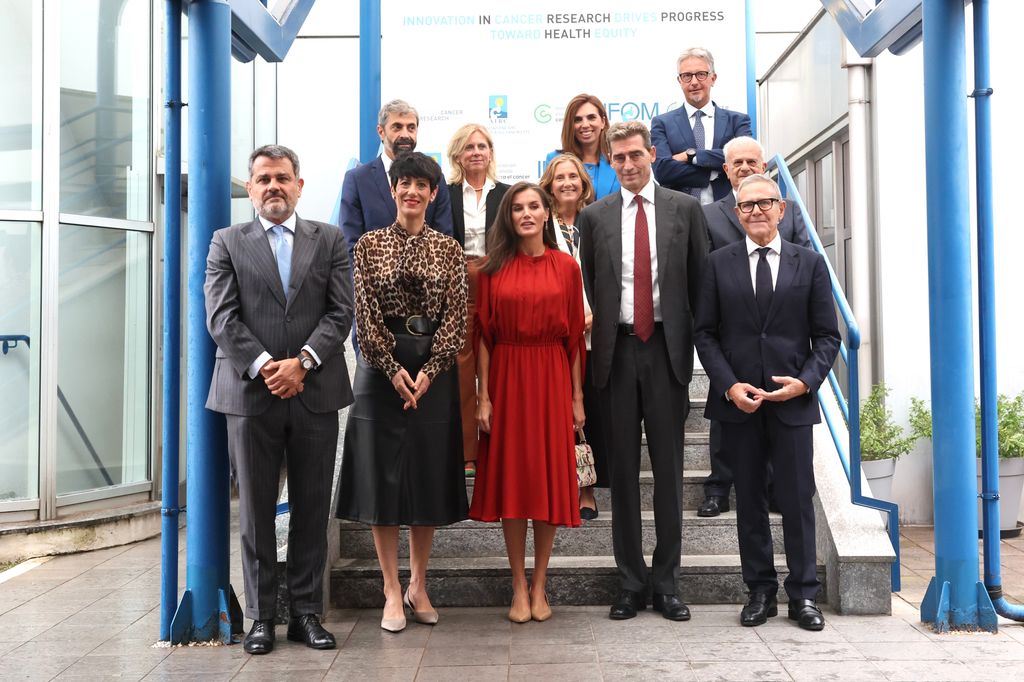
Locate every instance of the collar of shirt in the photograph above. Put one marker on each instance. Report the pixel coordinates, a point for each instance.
(289, 223)
(775, 245)
(468, 188)
(647, 192)
(708, 109)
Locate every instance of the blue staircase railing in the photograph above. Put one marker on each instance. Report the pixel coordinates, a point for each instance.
(849, 453)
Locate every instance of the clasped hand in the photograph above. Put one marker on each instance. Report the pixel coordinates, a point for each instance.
(408, 390)
(749, 398)
(284, 377)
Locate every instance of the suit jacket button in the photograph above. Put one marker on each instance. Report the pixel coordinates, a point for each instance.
(763, 335)
(289, 319)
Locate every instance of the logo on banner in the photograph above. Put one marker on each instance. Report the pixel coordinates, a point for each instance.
(542, 113)
(436, 156)
(498, 107)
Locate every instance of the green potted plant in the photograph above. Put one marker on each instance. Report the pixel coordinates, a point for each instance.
(882, 441)
(1010, 418)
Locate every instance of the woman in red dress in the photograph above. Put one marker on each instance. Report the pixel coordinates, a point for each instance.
(530, 397)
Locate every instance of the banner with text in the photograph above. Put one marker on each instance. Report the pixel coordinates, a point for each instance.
(513, 70)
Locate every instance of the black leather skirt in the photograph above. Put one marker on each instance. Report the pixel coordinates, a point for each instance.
(403, 467)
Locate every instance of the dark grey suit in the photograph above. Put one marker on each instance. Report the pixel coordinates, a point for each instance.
(645, 381)
(247, 314)
(723, 229)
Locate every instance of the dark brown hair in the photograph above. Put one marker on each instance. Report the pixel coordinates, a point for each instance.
(569, 143)
(502, 240)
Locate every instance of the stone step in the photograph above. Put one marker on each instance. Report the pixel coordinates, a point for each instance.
(476, 539)
(699, 385)
(591, 580)
(696, 453)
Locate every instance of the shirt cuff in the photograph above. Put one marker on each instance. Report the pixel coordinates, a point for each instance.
(312, 353)
(254, 368)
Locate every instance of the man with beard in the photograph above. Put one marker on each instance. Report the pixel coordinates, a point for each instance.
(366, 201)
(279, 305)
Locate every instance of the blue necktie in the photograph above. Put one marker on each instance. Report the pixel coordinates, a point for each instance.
(698, 138)
(284, 256)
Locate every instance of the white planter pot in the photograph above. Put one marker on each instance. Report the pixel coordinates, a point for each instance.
(879, 474)
(1011, 481)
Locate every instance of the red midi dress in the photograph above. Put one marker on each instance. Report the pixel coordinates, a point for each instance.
(530, 317)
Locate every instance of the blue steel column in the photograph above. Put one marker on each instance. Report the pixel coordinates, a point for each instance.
(171, 426)
(204, 613)
(955, 598)
(751, 66)
(369, 78)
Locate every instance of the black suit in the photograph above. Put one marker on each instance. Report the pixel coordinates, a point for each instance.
(491, 204)
(724, 228)
(644, 381)
(799, 338)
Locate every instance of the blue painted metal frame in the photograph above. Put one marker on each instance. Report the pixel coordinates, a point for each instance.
(849, 452)
(890, 24)
(255, 31)
(748, 9)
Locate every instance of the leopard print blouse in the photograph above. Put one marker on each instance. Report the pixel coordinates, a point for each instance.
(399, 275)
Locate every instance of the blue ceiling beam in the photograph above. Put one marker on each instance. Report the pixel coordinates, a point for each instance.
(891, 24)
(255, 31)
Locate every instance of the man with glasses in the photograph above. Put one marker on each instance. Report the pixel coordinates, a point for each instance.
(766, 332)
(744, 156)
(689, 139)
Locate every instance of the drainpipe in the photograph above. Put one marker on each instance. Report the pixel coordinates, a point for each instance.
(369, 78)
(171, 425)
(987, 316)
(955, 598)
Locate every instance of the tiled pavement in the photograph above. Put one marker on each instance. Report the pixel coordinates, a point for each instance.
(95, 616)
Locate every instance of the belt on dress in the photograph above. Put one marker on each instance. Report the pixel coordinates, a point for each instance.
(414, 325)
(627, 329)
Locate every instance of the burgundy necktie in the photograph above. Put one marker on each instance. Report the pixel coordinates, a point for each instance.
(643, 295)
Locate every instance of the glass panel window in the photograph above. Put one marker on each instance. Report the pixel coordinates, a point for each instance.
(20, 264)
(825, 205)
(103, 365)
(21, 106)
(105, 108)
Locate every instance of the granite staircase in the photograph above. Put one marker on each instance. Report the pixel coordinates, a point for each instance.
(469, 567)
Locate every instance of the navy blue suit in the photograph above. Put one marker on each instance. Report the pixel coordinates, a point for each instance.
(672, 133)
(367, 204)
(799, 338)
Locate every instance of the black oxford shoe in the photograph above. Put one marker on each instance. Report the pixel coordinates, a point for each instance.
(713, 505)
(760, 607)
(626, 606)
(307, 629)
(806, 613)
(671, 607)
(260, 639)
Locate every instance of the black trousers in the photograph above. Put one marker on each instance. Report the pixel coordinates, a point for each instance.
(308, 442)
(751, 446)
(642, 388)
(719, 481)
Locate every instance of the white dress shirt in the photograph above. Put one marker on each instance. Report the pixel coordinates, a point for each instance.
(628, 238)
(289, 236)
(773, 258)
(707, 195)
(475, 216)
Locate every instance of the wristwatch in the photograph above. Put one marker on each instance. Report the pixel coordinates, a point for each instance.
(691, 155)
(307, 361)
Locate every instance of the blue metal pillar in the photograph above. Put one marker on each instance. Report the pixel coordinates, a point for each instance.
(171, 426)
(955, 599)
(751, 67)
(369, 78)
(205, 611)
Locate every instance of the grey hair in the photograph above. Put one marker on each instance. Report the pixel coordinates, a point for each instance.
(756, 178)
(399, 107)
(274, 151)
(741, 140)
(625, 129)
(699, 53)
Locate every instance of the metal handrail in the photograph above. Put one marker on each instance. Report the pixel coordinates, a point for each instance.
(849, 454)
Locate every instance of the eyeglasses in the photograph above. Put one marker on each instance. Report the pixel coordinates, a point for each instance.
(763, 204)
(688, 76)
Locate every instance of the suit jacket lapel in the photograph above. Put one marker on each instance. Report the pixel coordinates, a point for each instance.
(383, 186)
(254, 237)
(789, 263)
(741, 276)
(303, 250)
(684, 128)
(613, 219)
(662, 236)
(719, 128)
(727, 205)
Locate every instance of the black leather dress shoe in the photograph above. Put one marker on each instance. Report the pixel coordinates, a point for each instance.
(671, 607)
(760, 607)
(260, 639)
(626, 606)
(307, 629)
(713, 505)
(806, 613)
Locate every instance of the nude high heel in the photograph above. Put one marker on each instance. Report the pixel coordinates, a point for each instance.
(425, 617)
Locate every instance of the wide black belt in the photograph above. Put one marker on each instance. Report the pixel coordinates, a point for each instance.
(627, 329)
(414, 325)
